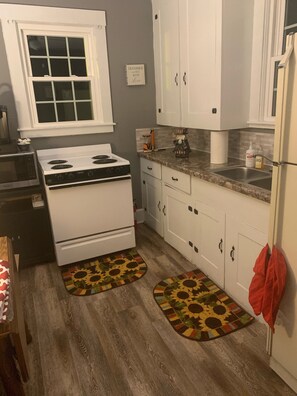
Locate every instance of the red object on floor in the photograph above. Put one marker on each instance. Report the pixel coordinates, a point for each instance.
(256, 289)
(274, 286)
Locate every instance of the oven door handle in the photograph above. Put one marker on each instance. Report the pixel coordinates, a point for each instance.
(88, 182)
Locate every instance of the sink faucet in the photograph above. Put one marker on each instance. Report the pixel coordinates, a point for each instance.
(274, 163)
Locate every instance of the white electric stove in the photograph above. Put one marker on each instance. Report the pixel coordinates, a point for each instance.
(89, 194)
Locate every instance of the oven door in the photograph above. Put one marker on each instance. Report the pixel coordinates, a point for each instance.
(90, 208)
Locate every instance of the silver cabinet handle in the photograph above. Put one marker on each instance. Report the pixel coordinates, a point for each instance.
(163, 210)
(159, 206)
(149, 168)
(176, 79)
(174, 178)
(185, 78)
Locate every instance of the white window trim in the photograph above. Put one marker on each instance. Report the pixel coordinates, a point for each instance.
(18, 18)
(267, 44)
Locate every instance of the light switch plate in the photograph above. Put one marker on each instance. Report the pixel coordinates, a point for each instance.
(135, 74)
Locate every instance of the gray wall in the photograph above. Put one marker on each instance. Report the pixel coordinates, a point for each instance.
(129, 40)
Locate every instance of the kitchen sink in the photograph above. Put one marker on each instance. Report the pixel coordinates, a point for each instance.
(263, 183)
(242, 173)
(255, 177)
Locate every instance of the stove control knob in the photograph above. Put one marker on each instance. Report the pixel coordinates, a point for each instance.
(70, 176)
(91, 174)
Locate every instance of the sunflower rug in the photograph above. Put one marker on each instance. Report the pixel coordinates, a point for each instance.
(197, 309)
(103, 273)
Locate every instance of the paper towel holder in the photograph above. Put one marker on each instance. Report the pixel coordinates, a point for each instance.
(219, 147)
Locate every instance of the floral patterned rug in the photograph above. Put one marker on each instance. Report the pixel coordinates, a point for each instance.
(197, 309)
(103, 273)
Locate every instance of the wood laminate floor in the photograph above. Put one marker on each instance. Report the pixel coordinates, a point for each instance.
(119, 342)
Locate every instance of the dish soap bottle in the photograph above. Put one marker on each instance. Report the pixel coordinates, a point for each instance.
(250, 157)
(259, 163)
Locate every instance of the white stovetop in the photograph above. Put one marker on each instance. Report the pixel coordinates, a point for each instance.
(79, 157)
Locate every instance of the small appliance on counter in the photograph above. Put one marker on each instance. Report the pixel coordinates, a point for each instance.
(18, 164)
(182, 147)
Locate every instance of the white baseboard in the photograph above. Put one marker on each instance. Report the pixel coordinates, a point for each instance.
(284, 374)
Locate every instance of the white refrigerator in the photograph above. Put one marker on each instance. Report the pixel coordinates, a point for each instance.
(283, 220)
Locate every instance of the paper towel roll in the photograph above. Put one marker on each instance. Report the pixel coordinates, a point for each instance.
(219, 147)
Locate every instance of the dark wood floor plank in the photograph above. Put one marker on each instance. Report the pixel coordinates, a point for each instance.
(122, 354)
(120, 343)
(158, 358)
(93, 370)
(58, 373)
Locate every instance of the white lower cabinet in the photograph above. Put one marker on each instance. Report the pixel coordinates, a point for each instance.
(152, 194)
(243, 245)
(208, 238)
(177, 220)
(153, 203)
(220, 231)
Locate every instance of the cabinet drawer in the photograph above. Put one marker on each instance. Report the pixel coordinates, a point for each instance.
(151, 168)
(176, 179)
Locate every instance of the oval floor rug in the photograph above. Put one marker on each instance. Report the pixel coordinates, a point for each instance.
(197, 308)
(103, 273)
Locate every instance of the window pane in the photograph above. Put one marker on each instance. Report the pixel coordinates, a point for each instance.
(46, 112)
(57, 46)
(43, 91)
(39, 67)
(78, 67)
(291, 12)
(76, 47)
(59, 67)
(36, 45)
(65, 111)
(63, 91)
(84, 111)
(82, 90)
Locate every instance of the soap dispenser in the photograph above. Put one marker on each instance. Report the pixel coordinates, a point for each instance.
(259, 160)
(250, 156)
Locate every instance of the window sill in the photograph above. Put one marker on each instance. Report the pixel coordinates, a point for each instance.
(261, 124)
(60, 130)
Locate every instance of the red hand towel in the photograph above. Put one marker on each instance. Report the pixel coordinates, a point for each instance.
(274, 286)
(256, 289)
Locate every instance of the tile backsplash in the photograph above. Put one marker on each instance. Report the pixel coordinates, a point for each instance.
(239, 140)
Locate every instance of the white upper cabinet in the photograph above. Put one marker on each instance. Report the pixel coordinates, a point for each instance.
(203, 62)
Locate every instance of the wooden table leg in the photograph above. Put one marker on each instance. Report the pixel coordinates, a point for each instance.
(8, 371)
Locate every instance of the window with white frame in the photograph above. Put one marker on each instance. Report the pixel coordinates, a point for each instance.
(59, 70)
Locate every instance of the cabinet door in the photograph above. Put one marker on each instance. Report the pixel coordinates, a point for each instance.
(208, 239)
(200, 60)
(153, 203)
(177, 220)
(243, 245)
(166, 56)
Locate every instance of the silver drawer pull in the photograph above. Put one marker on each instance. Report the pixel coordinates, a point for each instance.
(174, 178)
(149, 168)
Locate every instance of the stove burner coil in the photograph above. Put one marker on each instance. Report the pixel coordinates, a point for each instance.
(61, 161)
(104, 161)
(62, 166)
(101, 156)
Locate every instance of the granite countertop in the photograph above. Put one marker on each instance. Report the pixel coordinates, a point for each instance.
(198, 165)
